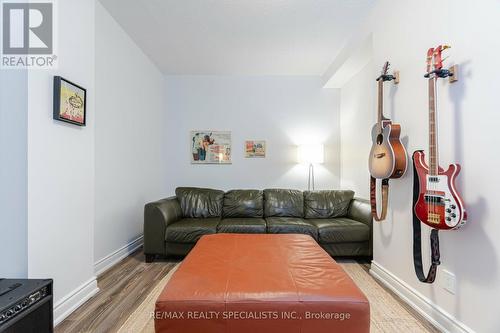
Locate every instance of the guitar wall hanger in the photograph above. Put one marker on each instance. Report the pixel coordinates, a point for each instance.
(443, 73)
(388, 77)
(453, 73)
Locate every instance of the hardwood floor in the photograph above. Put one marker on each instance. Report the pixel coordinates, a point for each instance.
(122, 290)
(124, 287)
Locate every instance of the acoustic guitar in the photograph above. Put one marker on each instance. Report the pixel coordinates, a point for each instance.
(388, 158)
(439, 205)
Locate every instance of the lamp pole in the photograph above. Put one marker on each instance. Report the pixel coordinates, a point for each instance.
(310, 179)
(310, 154)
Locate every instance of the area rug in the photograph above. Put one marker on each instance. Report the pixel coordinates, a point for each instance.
(387, 313)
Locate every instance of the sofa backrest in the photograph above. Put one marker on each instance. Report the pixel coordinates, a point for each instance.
(283, 203)
(243, 203)
(326, 204)
(200, 202)
(205, 203)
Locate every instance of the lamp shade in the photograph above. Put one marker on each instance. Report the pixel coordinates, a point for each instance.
(311, 153)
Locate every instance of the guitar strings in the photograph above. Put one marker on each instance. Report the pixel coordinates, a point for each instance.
(433, 83)
(432, 148)
(434, 137)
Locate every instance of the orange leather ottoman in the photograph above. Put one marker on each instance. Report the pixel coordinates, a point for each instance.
(260, 283)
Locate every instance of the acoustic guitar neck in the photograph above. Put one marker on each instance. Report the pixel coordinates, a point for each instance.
(380, 114)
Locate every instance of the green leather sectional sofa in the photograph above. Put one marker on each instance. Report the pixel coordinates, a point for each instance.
(341, 224)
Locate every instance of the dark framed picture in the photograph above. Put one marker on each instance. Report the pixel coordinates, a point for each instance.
(70, 102)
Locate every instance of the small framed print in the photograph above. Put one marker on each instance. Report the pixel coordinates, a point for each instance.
(255, 148)
(70, 102)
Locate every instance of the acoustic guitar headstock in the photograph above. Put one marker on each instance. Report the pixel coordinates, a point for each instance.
(385, 68)
(383, 74)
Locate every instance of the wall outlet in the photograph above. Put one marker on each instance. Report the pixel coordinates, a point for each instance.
(449, 281)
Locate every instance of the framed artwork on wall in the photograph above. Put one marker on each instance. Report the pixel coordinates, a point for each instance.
(70, 102)
(210, 147)
(255, 148)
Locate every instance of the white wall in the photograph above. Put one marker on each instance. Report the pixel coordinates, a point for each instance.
(469, 120)
(60, 181)
(13, 172)
(61, 167)
(356, 107)
(284, 111)
(130, 154)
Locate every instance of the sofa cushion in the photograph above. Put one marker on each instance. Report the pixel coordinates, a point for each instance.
(191, 229)
(341, 230)
(199, 202)
(284, 203)
(242, 225)
(326, 204)
(291, 225)
(243, 203)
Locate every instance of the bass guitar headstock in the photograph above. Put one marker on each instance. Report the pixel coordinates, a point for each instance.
(438, 56)
(435, 62)
(430, 59)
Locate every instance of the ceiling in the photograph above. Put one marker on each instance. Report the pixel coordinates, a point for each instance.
(240, 37)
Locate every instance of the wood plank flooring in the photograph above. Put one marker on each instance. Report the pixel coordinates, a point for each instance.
(122, 290)
(124, 287)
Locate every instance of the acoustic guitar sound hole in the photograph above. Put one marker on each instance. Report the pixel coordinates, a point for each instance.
(380, 139)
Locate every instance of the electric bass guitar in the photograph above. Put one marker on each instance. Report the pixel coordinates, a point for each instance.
(388, 158)
(438, 205)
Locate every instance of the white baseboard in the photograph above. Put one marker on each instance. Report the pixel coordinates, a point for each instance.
(74, 300)
(80, 295)
(443, 321)
(112, 259)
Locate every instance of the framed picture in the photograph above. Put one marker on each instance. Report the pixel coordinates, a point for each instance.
(255, 148)
(70, 103)
(210, 147)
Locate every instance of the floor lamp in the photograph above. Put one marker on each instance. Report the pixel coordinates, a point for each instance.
(311, 154)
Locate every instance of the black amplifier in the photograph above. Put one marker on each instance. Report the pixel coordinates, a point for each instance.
(26, 306)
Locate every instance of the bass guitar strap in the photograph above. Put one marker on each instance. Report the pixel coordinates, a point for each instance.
(373, 198)
(417, 240)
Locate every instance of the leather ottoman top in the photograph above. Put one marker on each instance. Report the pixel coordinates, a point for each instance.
(260, 283)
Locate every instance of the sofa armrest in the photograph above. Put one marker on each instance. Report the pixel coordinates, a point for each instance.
(157, 216)
(360, 210)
